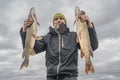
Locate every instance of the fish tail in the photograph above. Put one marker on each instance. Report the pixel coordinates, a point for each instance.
(91, 53)
(74, 22)
(89, 68)
(82, 54)
(25, 63)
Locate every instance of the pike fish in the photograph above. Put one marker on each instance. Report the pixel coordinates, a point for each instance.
(30, 38)
(84, 40)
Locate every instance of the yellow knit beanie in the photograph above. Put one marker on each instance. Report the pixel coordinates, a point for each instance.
(59, 15)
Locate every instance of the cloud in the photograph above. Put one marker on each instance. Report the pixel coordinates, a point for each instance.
(107, 18)
(104, 14)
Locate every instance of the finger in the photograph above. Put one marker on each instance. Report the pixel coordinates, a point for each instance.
(26, 25)
(83, 16)
(87, 16)
(28, 19)
(25, 22)
(28, 22)
(82, 12)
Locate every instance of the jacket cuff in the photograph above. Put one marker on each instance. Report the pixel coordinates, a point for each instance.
(22, 34)
(91, 29)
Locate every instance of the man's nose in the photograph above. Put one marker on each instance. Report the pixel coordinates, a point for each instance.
(58, 19)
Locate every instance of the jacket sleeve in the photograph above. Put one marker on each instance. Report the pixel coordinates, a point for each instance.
(39, 46)
(93, 38)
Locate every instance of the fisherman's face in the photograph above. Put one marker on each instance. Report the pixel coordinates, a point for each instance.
(58, 21)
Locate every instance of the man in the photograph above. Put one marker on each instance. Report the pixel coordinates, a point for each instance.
(61, 47)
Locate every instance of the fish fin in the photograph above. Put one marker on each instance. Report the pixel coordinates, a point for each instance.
(38, 37)
(25, 63)
(34, 35)
(32, 52)
(74, 22)
(91, 53)
(79, 35)
(77, 39)
(89, 68)
(38, 23)
(82, 54)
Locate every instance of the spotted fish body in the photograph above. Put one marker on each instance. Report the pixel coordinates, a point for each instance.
(30, 38)
(84, 41)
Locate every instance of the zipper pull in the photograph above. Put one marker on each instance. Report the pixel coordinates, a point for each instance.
(62, 42)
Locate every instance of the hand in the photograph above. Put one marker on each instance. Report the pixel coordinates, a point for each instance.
(27, 23)
(84, 17)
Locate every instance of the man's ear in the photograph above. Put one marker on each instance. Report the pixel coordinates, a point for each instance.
(64, 22)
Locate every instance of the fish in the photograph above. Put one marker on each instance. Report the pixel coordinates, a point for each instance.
(84, 40)
(31, 36)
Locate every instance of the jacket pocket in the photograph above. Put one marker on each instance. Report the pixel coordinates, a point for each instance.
(66, 50)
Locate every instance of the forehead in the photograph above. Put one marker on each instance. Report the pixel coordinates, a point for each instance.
(59, 17)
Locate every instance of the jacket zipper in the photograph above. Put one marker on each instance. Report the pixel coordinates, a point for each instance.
(59, 60)
(62, 42)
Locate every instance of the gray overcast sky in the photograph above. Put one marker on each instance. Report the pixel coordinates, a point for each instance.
(104, 14)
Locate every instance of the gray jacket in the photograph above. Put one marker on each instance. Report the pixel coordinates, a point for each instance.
(61, 50)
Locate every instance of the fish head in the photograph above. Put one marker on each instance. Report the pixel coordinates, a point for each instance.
(78, 14)
(32, 10)
(32, 14)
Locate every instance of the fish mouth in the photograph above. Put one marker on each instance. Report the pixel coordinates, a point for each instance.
(32, 10)
(78, 14)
